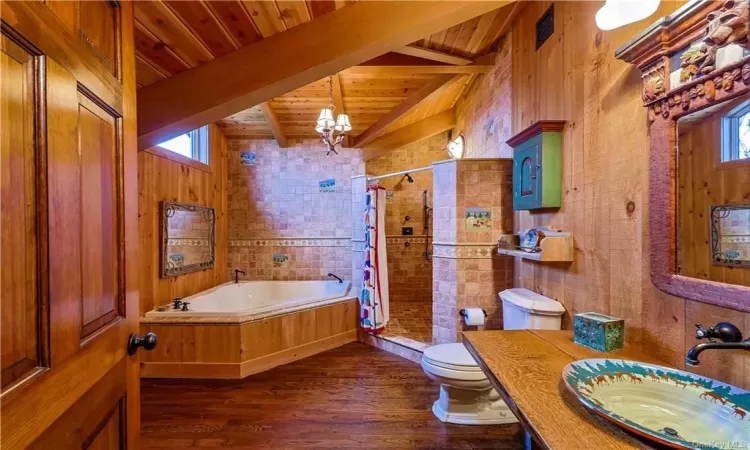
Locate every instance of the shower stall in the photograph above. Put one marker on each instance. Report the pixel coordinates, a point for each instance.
(408, 236)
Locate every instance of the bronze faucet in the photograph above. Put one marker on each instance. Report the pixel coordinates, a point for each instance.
(237, 273)
(729, 335)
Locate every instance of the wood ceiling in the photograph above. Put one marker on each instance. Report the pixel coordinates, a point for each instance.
(174, 36)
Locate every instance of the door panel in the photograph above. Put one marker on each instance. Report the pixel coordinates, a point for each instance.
(18, 270)
(68, 168)
(97, 149)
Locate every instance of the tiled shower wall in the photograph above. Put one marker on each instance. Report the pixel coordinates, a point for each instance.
(409, 272)
(467, 271)
(282, 226)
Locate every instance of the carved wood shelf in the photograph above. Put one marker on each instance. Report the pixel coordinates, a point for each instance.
(555, 247)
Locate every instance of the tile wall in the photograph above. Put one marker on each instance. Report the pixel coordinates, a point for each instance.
(283, 225)
(467, 272)
(410, 273)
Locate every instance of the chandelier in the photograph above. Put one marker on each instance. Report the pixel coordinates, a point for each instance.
(332, 132)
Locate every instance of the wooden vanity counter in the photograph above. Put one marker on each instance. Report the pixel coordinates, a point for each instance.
(526, 366)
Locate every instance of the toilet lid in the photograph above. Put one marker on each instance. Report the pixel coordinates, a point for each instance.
(451, 356)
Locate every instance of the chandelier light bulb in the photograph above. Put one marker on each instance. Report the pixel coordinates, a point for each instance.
(342, 123)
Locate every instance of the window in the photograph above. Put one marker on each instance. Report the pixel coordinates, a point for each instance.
(192, 145)
(735, 140)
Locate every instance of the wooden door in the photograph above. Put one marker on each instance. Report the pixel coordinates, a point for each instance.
(68, 178)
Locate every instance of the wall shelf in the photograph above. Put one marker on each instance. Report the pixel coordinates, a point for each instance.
(556, 246)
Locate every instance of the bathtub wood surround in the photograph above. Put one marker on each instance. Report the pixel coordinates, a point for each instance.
(69, 271)
(525, 367)
(169, 177)
(237, 350)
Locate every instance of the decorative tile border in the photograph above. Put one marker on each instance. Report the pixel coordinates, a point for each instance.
(292, 242)
(454, 250)
(398, 239)
(449, 250)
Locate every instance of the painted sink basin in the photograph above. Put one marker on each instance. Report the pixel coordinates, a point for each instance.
(669, 406)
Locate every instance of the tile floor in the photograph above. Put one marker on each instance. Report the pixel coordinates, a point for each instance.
(410, 324)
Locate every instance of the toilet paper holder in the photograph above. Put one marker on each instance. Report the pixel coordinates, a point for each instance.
(462, 313)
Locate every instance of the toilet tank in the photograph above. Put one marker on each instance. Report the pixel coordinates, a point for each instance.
(526, 310)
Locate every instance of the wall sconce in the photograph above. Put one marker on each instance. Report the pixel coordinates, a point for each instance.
(618, 13)
(456, 147)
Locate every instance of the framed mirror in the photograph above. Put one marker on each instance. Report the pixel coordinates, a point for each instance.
(695, 67)
(188, 242)
(713, 183)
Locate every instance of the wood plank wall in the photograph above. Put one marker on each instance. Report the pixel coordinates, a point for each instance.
(704, 182)
(574, 76)
(159, 179)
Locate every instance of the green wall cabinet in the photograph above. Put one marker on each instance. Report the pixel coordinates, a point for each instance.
(537, 168)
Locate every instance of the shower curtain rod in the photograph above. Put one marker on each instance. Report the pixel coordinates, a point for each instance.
(395, 174)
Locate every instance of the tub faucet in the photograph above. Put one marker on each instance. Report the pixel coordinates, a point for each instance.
(334, 276)
(237, 273)
(729, 335)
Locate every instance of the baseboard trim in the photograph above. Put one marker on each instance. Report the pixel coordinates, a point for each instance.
(245, 368)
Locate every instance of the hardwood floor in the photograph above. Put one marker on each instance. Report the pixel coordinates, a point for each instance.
(352, 397)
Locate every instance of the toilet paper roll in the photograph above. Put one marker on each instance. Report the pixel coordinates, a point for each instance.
(473, 316)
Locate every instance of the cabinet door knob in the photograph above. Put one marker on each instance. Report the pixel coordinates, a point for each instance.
(534, 170)
(148, 342)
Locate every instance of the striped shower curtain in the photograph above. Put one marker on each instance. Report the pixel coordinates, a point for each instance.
(374, 311)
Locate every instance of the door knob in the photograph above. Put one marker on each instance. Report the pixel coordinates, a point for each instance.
(148, 342)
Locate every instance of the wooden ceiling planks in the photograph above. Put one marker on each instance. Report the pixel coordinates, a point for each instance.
(159, 19)
(202, 22)
(236, 21)
(189, 33)
(158, 55)
(173, 36)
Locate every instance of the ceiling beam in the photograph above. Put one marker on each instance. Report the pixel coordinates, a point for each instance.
(423, 129)
(289, 60)
(406, 70)
(274, 125)
(437, 85)
(434, 55)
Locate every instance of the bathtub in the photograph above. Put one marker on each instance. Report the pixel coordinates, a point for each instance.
(250, 300)
(237, 329)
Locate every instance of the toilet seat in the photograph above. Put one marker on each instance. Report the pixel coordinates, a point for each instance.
(451, 361)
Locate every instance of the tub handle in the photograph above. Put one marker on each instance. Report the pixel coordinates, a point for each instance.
(185, 306)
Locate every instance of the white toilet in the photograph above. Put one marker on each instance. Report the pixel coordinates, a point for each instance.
(466, 395)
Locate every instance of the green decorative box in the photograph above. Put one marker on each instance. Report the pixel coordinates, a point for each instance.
(537, 167)
(600, 332)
